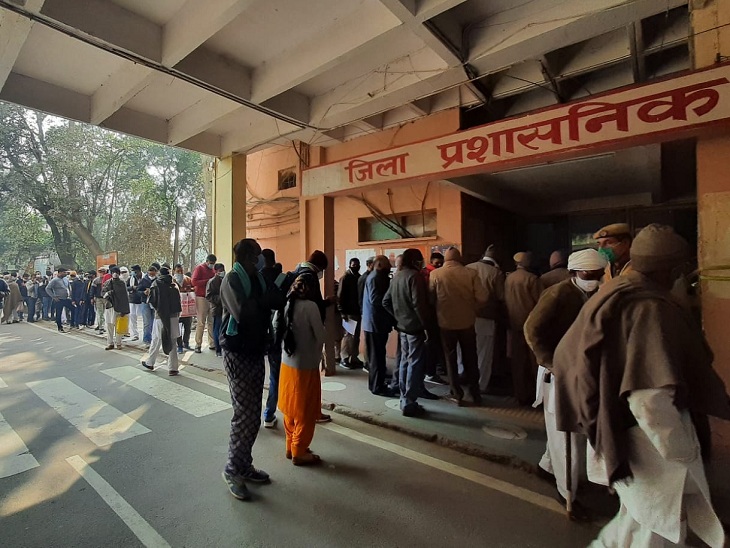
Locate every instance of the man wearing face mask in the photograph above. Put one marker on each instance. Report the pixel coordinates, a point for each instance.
(202, 273)
(632, 373)
(148, 315)
(114, 292)
(555, 312)
(350, 310)
(614, 243)
(185, 285)
(213, 296)
(135, 300)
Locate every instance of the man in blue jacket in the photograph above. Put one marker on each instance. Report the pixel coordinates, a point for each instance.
(143, 290)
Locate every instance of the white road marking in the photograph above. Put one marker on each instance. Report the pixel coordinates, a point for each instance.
(186, 399)
(14, 455)
(470, 475)
(205, 380)
(69, 356)
(95, 419)
(3, 384)
(132, 519)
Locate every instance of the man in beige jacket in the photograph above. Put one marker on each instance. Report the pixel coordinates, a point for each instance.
(458, 294)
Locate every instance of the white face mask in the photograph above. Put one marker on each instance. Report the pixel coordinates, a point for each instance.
(222, 274)
(211, 266)
(124, 276)
(179, 278)
(320, 274)
(589, 286)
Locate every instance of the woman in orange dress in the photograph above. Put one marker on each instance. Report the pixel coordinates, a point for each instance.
(299, 382)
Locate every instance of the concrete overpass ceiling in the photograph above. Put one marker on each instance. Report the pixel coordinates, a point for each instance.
(225, 76)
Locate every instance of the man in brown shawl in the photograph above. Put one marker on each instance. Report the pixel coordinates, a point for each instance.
(521, 293)
(630, 373)
(11, 302)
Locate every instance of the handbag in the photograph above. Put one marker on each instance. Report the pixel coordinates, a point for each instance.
(189, 306)
(122, 324)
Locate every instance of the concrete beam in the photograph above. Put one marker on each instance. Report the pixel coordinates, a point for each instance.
(199, 117)
(427, 9)
(508, 38)
(119, 88)
(14, 30)
(340, 43)
(261, 129)
(39, 95)
(195, 23)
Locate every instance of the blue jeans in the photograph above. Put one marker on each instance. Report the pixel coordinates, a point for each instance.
(148, 318)
(31, 303)
(78, 315)
(89, 314)
(217, 321)
(412, 368)
(47, 307)
(274, 357)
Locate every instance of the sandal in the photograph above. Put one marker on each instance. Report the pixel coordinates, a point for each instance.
(307, 460)
(289, 454)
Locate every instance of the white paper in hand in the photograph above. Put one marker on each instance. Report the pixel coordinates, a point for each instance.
(349, 326)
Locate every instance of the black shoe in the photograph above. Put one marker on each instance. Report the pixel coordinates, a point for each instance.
(61, 330)
(349, 366)
(256, 476)
(387, 392)
(198, 350)
(236, 488)
(426, 395)
(414, 410)
(578, 511)
(147, 366)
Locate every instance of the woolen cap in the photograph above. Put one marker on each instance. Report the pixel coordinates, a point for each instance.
(613, 231)
(658, 247)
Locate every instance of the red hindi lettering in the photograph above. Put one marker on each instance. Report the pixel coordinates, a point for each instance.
(394, 165)
(359, 169)
(553, 135)
(451, 158)
(679, 101)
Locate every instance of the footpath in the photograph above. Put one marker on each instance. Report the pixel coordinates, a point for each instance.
(499, 431)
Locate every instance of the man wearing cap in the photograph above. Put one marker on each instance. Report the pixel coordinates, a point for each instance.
(521, 292)
(492, 279)
(630, 373)
(614, 242)
(557, 309)
(557, 272)
(457, 293)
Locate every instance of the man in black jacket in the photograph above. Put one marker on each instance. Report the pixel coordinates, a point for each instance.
(164, 299)
(369, 265)
(349, 305)
(213, 296)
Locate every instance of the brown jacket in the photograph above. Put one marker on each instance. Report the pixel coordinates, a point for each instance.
(457, 293)
(555, 312)
(521, 293)
(492, 278)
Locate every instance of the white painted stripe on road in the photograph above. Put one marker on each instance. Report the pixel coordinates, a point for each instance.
(186, 399)
(14, 455)
(95, 419)
(3, 384)
(137, 524)
(477, 477)
(205, 380)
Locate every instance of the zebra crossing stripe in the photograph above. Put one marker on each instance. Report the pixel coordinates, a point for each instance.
(186, 399)
(14, 455)
(3, 384)
(95, 419)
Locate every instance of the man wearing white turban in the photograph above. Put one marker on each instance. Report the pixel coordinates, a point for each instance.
(631, 373)
(557, 309)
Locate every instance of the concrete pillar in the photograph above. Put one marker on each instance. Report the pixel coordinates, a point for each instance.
(317, 222)
(229, 206)
(710, 43)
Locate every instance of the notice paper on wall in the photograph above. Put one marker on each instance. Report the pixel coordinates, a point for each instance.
(362, 254)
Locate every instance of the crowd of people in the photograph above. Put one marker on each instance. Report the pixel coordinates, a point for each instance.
(602, 342)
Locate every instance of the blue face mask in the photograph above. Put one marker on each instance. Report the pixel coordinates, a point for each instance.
(260, 263)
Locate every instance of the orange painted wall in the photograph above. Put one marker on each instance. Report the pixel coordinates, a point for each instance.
(273, 215)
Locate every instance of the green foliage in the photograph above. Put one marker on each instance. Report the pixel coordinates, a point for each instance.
(93, 190)
(23, 236)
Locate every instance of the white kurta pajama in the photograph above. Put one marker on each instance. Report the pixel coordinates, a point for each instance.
(668, 492)
(554, 459)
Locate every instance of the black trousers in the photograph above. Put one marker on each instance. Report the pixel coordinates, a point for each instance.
(376, 343)
(184, 337)
(467, 340)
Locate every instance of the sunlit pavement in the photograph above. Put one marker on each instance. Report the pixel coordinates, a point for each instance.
(95, 450)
